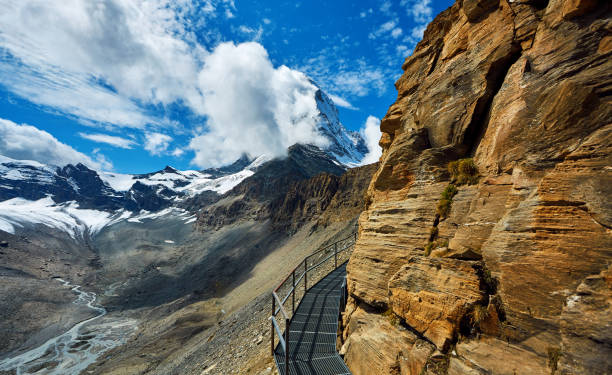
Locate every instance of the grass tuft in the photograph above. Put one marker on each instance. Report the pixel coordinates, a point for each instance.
(463, 171)
(446, 200)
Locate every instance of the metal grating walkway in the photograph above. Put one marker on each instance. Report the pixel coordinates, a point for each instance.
(313, 330)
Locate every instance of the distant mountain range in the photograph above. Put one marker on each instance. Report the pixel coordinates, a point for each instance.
(31, 192)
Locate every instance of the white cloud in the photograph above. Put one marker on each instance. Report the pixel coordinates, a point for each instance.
(403, 50)
(100, 60)
(267, 21)
(360, 82)
(252, 107)
(365, 13)
(371, 134)
(421, 13)
(346, 75)
(420, 10)
(178, 152)
(385, 7)
(26, 142)
(156, 143)
(417, 32)
(383, 29)
(395, 33)
(341, 102)
(112, 61)
(109, 139)
(254, 34)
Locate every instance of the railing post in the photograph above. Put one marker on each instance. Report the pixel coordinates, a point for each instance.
(305, 275)
(293, 293)
(335, 255)
(272, 325)
(287, 346)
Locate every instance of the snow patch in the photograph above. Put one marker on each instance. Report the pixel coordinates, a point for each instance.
(66, 217)
(117, 181)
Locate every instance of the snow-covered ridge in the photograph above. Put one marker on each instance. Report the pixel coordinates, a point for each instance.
(190, 182)
(68, 217)
(79, 201)
(16, 170)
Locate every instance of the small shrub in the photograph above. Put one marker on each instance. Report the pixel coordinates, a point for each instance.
(449, 192)
(479, 314)
(463, 171)
(467, 167)
(453, 168)
(446, 199)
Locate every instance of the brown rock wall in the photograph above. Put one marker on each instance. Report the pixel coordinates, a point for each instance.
(517, 278)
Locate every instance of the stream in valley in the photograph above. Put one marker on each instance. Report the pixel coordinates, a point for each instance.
(74, 350)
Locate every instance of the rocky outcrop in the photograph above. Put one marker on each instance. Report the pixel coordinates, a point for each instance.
(433, 295)
(514, 277)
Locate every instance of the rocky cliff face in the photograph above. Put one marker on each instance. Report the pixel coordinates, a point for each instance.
(500, 264)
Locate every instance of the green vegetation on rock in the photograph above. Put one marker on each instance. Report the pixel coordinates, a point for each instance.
(463, 171)
(446, 199)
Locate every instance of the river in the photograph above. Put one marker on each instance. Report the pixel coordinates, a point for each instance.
(74, 350)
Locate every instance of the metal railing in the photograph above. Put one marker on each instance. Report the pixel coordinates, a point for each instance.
(290, 287)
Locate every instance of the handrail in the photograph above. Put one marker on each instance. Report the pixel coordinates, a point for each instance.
(278, 332)
(326, 259)
(353, 235)
(280, 305)
(284, 342)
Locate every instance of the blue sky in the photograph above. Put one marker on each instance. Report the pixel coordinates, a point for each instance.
(134, 85)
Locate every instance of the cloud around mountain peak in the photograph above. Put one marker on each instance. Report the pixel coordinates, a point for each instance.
(252, 107)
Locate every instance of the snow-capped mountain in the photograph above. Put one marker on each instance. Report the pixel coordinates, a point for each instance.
(348, 147)
(33, 181)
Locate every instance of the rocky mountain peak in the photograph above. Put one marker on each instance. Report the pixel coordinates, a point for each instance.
(348, 147)
(169, 169)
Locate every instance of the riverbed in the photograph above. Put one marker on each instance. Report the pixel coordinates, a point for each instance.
(74, 350)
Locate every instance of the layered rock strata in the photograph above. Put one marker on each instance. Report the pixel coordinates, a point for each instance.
(515, 279)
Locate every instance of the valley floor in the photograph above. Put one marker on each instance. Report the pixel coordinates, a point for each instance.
(223, 330)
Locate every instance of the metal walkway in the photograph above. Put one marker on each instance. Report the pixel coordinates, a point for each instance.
(313, 330)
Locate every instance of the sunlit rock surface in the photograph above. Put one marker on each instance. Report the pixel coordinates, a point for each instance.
(515, 279)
